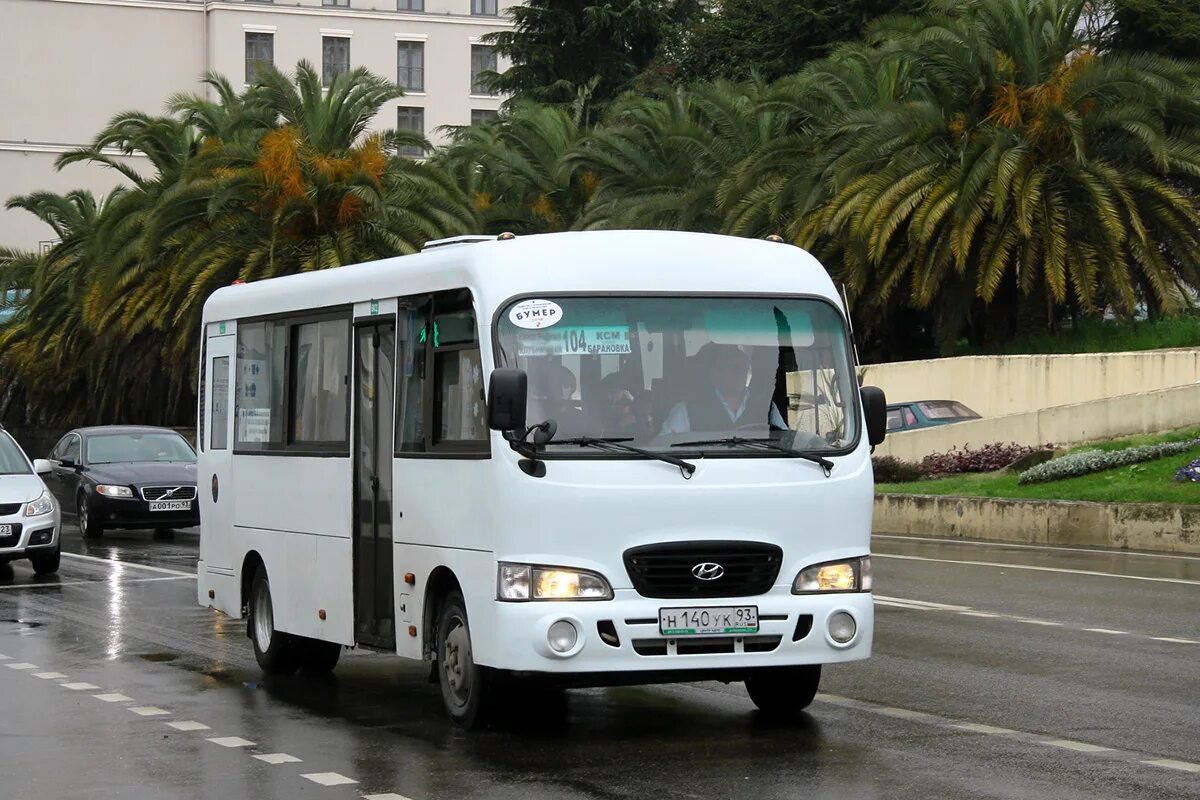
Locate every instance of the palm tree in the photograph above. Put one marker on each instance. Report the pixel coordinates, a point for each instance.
(1020, 174)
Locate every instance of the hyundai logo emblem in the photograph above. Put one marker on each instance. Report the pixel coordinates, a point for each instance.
(708, 571)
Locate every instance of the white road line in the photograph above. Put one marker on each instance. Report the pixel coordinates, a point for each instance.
(113, 698)
(129, 564)
(231, 741)
(388, 796)
(1173, 640)
(1082, 747)
(976, 727)
(329, 778)
(1093, 551)
(93, 581)
(189, 725)
(49, 675)
(1109, 631)
(984, 614)
(79, 687)
(1032, 621)
(21, 665)
(149, 711)
(5, 658)
(921, 603)
(1061, 570)
(278, 758)
(1171, 763)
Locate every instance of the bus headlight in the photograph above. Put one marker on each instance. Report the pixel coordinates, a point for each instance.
(851, 575)
(528, 582)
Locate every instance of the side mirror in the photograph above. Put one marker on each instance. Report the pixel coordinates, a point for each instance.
(508, 391)
(874, 413)
(42, 467)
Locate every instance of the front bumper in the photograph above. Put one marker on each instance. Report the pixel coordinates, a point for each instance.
(792, 631)
(32, 535)
(134, 512)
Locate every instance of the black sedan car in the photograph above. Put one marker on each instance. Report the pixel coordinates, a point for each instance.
(124, 476)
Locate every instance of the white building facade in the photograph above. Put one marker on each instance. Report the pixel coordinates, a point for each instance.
(70, 65)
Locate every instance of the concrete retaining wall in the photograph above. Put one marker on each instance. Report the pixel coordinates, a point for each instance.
(1155, 527)
(995, 385)
(1148, 412)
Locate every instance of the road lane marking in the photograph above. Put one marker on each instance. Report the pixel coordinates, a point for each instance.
(79, 687)
(1173, 640)
(149, 711)
(1092, 551)
(1032, 621)
(1031, 567)
(21, 665)
(93, 581)
(329, 778)
(129, 564)
(49, 675)
(278, 758)
(976, 727)
(388, 796)
(1082, 747)
(983, 614)
(1171, 763)
(188, 725)
(231, 741)
(1109, 631)
(5, 658)
(113, 697)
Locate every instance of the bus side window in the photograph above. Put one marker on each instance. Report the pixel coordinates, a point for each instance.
(459, 417)
(411, 332)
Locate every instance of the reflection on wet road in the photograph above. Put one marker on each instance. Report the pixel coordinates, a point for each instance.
(999, 672)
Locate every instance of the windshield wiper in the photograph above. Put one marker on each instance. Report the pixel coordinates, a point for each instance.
(762, 444)
(615, 443)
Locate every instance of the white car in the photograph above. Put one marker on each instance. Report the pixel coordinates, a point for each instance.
(29, 516)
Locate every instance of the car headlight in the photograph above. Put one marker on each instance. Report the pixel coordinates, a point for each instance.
(43, 505)
(851, 575)
(527, 582)
(114, 491)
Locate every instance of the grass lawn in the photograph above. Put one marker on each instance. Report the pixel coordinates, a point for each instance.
(1148, 482)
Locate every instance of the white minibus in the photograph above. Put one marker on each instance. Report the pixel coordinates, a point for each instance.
(574, 459)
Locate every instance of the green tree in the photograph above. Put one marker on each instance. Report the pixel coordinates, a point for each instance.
(1166, 27)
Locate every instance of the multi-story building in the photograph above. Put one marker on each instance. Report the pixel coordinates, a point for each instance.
(70, 65)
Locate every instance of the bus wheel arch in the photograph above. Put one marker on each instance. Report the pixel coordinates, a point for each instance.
(251, 564)
(442, 582)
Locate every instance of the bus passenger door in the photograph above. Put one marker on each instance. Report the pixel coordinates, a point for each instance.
(374, 373)
(214, 484)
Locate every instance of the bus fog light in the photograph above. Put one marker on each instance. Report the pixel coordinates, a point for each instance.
(562, 636)
(841, 627)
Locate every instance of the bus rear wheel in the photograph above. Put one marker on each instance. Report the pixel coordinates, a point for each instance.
(465, 685)
(784, 691)
(275, 651)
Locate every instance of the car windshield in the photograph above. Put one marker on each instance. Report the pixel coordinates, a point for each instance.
(12, 462)
(685, 372)
(125, 447)
(946, 409)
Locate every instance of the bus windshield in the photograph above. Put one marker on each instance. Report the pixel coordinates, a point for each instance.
(685, 372)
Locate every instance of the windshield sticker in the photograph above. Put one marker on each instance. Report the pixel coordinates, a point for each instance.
(577, 341)
(534, 314)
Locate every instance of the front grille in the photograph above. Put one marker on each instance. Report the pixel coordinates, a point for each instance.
(666, 570)
(13, 538)
(161, 492)
(700, 646)
(8, 509)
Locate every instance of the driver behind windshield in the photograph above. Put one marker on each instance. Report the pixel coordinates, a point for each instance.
(722, 404)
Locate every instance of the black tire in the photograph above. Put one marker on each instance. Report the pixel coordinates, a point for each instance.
(784, 691)
(467, 688)
(317, 657)
(275, 651)
(46, 563)
(89, 527)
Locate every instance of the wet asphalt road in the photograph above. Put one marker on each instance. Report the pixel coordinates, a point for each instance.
(999, 672)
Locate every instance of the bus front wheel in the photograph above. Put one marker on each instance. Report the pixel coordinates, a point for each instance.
(784, 690)
(275, 650)
(465, 684)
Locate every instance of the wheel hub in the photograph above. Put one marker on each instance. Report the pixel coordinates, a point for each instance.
(264, 620)
(458, 663)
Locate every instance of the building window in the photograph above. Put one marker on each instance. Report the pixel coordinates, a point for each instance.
(482, 116)
(411, 118)
(410, 5)
(410, 66)
(483, 59)
(337, 3)
(483, 8)
(335, 58)
(260, 51)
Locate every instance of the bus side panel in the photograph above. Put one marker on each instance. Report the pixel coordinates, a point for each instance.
(332, 591)
(475, 572)
(294, 493)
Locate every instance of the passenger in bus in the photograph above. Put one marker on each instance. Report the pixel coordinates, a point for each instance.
(722, 404)
(627, 412)
(558, 400)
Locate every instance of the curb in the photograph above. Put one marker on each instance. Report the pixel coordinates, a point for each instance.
(1151, 527)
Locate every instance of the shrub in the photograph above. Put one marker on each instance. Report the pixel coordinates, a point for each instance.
(889, 469)
(1086, 462)
(1189, 473)
(988, 458)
